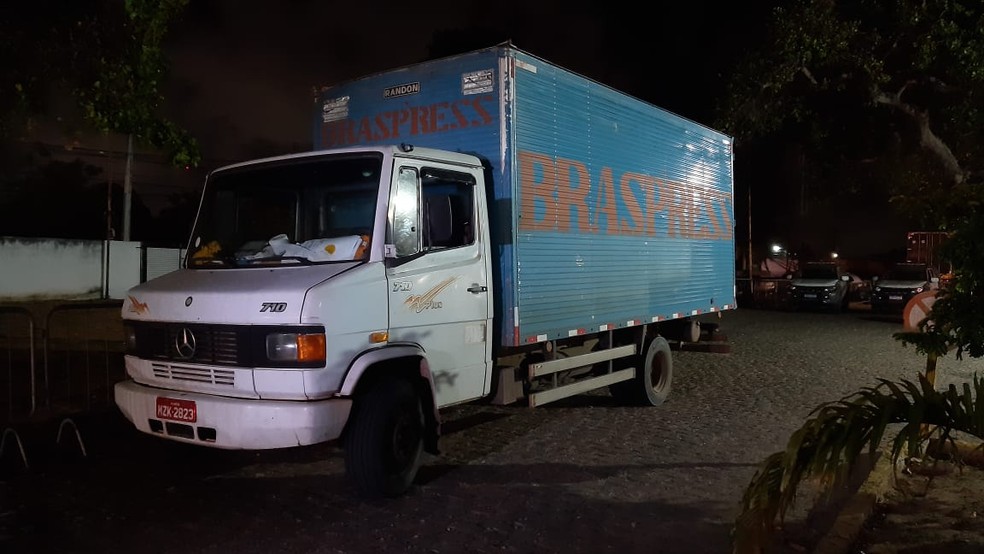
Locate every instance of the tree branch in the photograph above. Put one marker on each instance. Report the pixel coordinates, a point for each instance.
(927, 138)
(809, 75)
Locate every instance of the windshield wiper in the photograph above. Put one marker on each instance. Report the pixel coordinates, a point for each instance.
(274, 260)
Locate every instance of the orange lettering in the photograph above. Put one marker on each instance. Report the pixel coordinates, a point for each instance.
(713, 230)
(365, 129)
(537, 185)
(636, 223)
(606, 203)
(437, 124)
(484, 116)
(726, 218)
(459, 116)
(382, 132)
(661, 208)
(573, 187)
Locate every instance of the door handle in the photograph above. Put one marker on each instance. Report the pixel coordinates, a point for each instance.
(477, 289)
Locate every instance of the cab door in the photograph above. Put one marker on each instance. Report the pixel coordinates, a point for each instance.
(438, 275)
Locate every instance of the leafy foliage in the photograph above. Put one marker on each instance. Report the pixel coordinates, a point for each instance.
(838, 433)
(107, 55)
(873, 90)
(957, 318)
(830, 442)
(888, 93)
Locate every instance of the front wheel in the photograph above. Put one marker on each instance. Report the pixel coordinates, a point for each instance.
(385, 442)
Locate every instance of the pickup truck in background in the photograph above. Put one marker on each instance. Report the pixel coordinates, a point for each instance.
(820, 285)
(905, 280)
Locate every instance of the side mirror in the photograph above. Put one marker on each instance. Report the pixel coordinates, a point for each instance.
(875, 278)
(845, 278)
(934, 280)
(789, 276)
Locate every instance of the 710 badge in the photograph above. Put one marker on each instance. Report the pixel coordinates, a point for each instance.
(176, 410)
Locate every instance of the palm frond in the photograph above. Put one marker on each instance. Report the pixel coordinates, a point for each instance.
(836, 434)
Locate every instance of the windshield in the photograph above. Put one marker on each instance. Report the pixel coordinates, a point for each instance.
(820, 272)
(907, 273)
(305, 210)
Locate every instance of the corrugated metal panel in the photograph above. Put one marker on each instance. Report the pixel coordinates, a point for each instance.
(621, 214)
(626, 210)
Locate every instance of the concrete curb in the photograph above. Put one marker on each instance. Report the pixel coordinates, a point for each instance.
(846, 530)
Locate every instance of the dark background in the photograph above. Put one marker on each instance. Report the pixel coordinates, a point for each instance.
(243, 72)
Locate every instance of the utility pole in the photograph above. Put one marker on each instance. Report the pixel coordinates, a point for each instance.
(109, 199)
(127, 187)
(751, 283)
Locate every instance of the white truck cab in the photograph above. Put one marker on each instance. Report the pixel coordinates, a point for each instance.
(306, 279)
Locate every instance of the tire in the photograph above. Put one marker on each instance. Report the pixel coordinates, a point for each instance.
(384, 445)
(653, 380)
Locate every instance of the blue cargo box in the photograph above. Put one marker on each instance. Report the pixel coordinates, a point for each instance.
(609, 211)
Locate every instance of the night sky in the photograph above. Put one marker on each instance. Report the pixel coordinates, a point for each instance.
(243, 71)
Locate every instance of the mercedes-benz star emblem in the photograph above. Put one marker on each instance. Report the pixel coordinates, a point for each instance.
(184, 343)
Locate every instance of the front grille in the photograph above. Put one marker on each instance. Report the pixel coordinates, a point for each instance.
(200, 343)
(213, 345)
(195, 374)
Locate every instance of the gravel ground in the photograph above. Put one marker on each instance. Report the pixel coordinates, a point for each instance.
(580, 475)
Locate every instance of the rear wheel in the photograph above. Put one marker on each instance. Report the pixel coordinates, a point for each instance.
(384, 445)
(653, 378)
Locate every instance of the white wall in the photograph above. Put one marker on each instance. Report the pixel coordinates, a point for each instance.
(34, 269)
(124, 267)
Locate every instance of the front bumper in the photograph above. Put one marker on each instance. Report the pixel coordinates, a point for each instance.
(891, 301)
(815, 297)
(235, 423)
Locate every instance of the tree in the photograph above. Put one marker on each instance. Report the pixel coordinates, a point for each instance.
(835, 436)
(106, 56)
(887, 93)
(907, 79)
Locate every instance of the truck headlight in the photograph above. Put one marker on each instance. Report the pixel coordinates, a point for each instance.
(295, 347)
(129, 339)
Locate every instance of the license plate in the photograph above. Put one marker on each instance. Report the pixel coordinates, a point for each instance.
(809, 295)
(176, 410)
(895, 297)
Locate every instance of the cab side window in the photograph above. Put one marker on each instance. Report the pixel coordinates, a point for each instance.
(448, 209)
(404, 231)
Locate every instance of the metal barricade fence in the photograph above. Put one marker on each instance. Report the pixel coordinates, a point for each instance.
(18, 364)
(71, 373)
(763, 292)
(82, 358)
